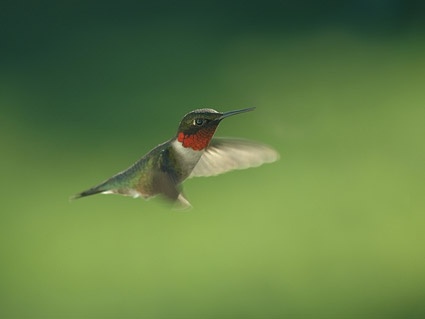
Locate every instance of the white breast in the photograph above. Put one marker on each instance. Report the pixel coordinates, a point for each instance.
(187, 156)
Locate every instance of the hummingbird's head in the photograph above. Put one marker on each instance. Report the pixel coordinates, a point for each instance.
(197, 128)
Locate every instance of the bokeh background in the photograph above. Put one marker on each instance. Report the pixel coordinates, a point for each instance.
(334, 229)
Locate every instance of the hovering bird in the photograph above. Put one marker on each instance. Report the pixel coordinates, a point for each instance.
(191, 152)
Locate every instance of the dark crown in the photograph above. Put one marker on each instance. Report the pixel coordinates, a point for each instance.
(197, 119)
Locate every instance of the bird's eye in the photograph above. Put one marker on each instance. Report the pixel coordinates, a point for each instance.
(199, 122)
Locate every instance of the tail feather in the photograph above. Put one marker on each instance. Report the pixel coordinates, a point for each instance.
(92, 191)
(115, 185)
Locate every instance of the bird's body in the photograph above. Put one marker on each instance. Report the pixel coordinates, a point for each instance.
(192, 152)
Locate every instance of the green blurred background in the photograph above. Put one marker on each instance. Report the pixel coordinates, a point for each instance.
(334, 229)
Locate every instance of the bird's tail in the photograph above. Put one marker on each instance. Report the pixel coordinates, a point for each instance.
(101, 188)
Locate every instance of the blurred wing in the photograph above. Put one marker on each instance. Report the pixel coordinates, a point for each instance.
(225, 154)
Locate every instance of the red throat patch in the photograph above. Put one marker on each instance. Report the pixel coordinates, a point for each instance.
(197, 141)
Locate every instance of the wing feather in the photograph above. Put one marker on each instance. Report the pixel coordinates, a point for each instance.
(226, 154)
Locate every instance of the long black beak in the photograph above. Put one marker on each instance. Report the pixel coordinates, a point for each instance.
(230, 113)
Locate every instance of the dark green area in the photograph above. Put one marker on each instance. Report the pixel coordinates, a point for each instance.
(334, 229)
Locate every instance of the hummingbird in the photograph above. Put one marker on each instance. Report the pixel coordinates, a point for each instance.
(191, 152)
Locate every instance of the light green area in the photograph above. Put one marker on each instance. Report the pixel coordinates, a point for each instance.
(335, 229)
